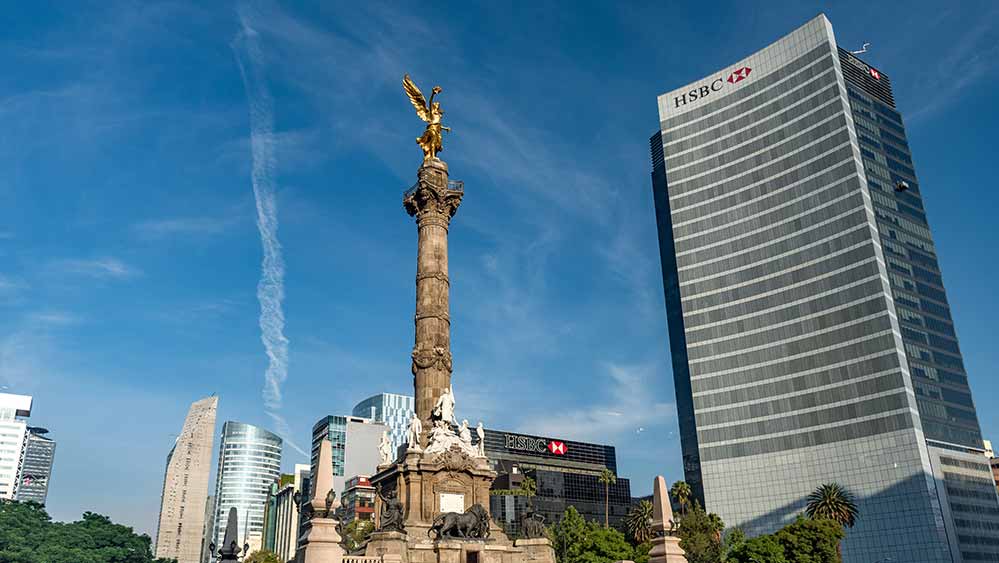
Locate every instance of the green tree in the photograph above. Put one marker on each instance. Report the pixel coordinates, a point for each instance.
(716, 524)
(808, 540)
(699, 537)
(529, 487)
(762, 549)
(262, 556)
(733, 539)
(639, 522)
(356, 533)
(607, 478)
(28, 535)
(682, 493)
(568, 536)
(604, 545)
(832, 502)
(642, 552)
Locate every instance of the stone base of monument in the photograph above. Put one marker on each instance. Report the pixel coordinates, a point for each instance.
(429, 484)
(666, 549)
(320, 543)
(395, 547)
(536, 550)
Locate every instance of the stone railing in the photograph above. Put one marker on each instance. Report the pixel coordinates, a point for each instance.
(360, 559)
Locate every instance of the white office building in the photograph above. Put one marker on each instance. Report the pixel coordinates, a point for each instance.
(13, 430)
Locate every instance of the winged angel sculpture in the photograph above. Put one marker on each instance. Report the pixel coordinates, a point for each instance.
(432, 141)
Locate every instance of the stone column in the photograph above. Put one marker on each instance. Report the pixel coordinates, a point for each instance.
(432, 201)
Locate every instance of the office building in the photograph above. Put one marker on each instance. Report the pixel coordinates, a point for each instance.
(789, 249)
(565, 472)
(14, 409)
(36, 466)
(940, 382)
(249, 461)
(357, 500)
(355, 446)
(394, 410)
(180, 531)
(281, 516)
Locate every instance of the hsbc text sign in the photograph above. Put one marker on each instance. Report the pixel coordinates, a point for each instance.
(537, 445)
(705, 90)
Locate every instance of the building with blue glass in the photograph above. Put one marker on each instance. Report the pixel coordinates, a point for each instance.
(809, 331)
(354, 441)
(249, 462)
(392, 409)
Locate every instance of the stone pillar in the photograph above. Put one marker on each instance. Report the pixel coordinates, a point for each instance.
(432, 201)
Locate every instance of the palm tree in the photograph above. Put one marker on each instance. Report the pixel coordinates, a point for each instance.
(681, 492)
(608, 478)
(716, 524)
(639, 522)
(529, 488)
(832, 502)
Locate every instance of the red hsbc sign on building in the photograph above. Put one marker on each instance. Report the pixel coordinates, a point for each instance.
(735, 77)
(532, 444)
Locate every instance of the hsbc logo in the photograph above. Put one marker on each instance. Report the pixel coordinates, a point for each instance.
(537, 445)
(557, 448)
(705, 90)
(875, 74)
(739, 75)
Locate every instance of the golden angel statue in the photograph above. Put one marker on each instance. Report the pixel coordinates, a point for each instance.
(432, 142)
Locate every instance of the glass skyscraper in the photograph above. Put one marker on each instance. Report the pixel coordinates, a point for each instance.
(787, 264)
(394, 410)
(939, 379)
(249, 461)
(355, 446)
(36, 466)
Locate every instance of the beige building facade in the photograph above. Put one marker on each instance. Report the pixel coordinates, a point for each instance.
(185, 486)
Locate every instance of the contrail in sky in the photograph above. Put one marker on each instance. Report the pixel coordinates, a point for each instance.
(270, 289)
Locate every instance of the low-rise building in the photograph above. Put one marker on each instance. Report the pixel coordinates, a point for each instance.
(566, 473)
(357, 500)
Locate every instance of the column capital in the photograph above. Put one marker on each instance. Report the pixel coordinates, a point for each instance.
(433, 194)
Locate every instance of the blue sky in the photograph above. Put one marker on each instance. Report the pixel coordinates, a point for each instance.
(130, 255)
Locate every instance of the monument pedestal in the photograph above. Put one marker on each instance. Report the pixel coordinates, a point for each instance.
(666, 549)
(320, 543)
(429, 484)
(536, 550)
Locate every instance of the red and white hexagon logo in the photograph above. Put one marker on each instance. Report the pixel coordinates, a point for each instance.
(739, 74)
(875, 74)
(557, 448)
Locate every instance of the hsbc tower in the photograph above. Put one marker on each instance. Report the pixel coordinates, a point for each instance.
(810, 335)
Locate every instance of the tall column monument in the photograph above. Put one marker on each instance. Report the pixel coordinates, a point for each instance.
(432, 502)
(433, 200)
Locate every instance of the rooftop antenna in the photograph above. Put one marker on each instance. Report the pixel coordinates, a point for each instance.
(862, 50)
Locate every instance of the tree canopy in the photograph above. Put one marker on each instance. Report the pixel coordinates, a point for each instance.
(28, 535)
(639, 522)
(578, 541)
(262, 556)
(700, 536)
(805, 540)
(832, 502)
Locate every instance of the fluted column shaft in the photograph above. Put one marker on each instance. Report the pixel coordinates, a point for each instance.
(432, 203)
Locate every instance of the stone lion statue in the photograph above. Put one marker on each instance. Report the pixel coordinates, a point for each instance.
(473, 524)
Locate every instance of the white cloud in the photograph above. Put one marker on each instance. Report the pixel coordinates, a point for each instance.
(630, 403)
(183, 226)
(270, 289)
(100, 268)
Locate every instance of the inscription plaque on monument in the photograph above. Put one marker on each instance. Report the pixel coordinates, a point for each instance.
(452, 502)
